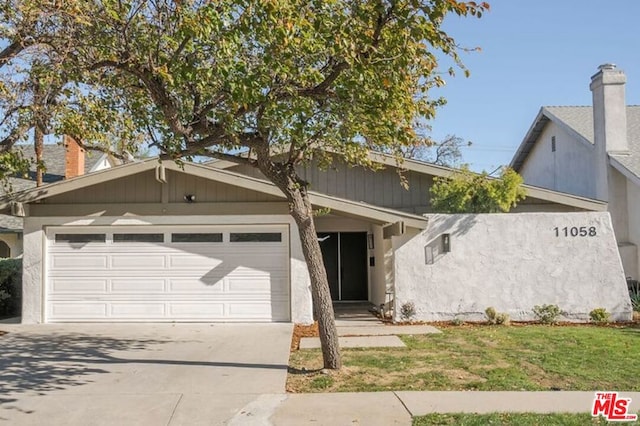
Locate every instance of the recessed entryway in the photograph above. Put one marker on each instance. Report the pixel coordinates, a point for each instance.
(345, 259)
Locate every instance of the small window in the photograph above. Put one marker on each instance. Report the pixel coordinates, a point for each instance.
(138, 238)
(256, 237)
(196, 238)
(80, 238)
(553, 144)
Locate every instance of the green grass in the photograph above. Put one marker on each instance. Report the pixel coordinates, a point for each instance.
(521, 419)
(485, 358)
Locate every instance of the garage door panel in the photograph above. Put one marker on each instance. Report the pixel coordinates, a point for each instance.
(199, 261)
(137, 310)
(137, 285)
(78, 310)
(78, 286)
(139, 261)
(195, 285)
(196, 310)
(163, 281)
(71, 262)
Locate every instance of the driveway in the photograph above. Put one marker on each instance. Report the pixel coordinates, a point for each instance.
(142, 374)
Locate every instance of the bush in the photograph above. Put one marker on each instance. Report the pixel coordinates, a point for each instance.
(547, 314)
(493, 317)
(10, 287)
(457, 321)
(634, 293)
(407, 311)
(599, 316)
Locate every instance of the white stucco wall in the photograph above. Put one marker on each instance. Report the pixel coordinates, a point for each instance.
(512, 262)
(34, 256)
(568, 169)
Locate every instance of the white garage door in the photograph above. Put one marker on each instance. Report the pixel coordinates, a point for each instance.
(168, 274)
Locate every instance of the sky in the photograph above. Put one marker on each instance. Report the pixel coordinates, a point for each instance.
(533, 54)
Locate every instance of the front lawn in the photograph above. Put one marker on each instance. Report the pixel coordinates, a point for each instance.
(532, 357)
(506, 419)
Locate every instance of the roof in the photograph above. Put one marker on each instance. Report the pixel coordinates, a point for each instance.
(578, 120)
(54, 156)
(376, 214)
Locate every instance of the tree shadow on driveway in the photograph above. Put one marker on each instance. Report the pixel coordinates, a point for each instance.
(39, 363)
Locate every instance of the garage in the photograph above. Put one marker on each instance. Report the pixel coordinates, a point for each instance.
(170, 273)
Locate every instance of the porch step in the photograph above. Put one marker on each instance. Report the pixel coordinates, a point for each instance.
(385, 330)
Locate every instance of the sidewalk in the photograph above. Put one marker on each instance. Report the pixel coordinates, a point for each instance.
(397, 408)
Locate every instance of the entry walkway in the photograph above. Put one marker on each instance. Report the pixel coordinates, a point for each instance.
(359, 328)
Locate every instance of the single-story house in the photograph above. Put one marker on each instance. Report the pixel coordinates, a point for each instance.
(151, 241)
(63, 161)
(592, 151)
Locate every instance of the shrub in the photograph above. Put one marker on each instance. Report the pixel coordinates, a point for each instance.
(547, 314)
(599, 316)
(407, 311)
(494, 317)
(457, 321)
(10, 286)
(634, 293)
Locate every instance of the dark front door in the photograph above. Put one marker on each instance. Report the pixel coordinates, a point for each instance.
(345, 259)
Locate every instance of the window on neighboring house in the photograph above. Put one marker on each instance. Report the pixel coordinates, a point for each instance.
(553, 144)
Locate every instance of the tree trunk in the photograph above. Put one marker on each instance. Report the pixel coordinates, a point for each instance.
(301, 210)
(38, 140)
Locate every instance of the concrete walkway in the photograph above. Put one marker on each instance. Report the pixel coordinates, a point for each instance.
(397, 408)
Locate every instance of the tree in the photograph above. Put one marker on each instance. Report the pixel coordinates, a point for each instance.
(299, 77)
(447, 152)
(468, 192)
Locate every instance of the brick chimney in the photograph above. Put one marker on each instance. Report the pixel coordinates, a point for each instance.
(609, 121)
(74, 158)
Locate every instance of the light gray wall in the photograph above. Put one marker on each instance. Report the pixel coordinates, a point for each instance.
(569, 169)
(633, 208)
(512, 262)
(143, 188)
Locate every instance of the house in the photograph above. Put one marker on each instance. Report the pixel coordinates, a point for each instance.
(594, 152)
(151, 241)
(63, 161)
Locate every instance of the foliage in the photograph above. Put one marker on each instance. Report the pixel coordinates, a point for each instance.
(447, 152)
(487, 358)
(547, 314)
(10, 286)
(599, 316)
(634, 293)
(457, 321)
(407, 311)
(496, 318)
(468, 192)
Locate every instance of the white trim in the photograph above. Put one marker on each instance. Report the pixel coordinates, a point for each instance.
(622, 169)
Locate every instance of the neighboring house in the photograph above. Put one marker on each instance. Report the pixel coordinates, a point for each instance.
(150, 241)
(594, 152)
(63, 161)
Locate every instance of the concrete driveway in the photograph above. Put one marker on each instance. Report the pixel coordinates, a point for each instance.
(142, 374)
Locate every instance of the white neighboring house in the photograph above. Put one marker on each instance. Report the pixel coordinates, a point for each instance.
(594, 152)
(63, 161)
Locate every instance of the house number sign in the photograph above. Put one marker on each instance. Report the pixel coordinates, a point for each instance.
(576, 231)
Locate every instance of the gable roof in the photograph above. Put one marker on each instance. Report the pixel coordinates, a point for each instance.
(578, 121)
(373, 213)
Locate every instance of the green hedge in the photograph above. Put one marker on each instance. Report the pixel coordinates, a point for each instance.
(10, 287)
